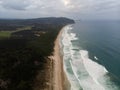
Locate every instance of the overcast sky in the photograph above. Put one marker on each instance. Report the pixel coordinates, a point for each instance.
(76, 9)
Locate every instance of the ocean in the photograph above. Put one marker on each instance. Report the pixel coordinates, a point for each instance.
(91, 55)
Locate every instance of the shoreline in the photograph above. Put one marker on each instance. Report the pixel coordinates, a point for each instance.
(60, 81)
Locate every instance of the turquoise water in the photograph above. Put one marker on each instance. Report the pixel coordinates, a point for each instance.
(91, 54)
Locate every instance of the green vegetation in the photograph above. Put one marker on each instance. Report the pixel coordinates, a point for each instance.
(22, 29)
(23, 54)
(5, 34)
(19, 68)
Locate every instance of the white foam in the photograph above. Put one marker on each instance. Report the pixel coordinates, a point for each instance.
(95, 70)
(86, 72)
(67, 45)
(73, 36)
(95, 58)
(85, 80)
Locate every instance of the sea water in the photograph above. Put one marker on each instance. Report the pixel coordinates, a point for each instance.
(91, 55)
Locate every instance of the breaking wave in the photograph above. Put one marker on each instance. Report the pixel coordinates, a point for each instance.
(82, 72)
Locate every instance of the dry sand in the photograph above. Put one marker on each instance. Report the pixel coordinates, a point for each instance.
(58, 66)
(60, 81)
(53, 80)
(56, 79)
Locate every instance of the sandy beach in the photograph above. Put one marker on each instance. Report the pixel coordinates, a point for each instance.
(60, 81)
(56, 79)
(58, 66)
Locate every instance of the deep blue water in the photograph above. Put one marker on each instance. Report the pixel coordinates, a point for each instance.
(91, 52)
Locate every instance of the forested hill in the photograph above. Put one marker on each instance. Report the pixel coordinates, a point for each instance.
(23, 22)
(25, 45)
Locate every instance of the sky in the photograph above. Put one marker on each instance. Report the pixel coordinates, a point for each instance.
(75, 9)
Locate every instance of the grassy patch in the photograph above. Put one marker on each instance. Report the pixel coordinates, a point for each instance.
(24, 28)
(5, 34)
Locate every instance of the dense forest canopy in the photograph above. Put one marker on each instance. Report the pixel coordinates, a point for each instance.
(24, 49)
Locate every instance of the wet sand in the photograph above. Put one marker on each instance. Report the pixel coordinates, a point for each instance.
(60, 81)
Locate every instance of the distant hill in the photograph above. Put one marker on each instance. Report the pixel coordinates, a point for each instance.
(49, 20)
(12, 24)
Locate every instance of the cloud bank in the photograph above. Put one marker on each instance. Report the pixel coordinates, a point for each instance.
(77, 9)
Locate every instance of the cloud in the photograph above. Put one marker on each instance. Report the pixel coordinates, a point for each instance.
(85, 9)
(15, 4)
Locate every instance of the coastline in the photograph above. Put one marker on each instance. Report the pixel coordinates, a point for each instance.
(60, 81)
(57, 78)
